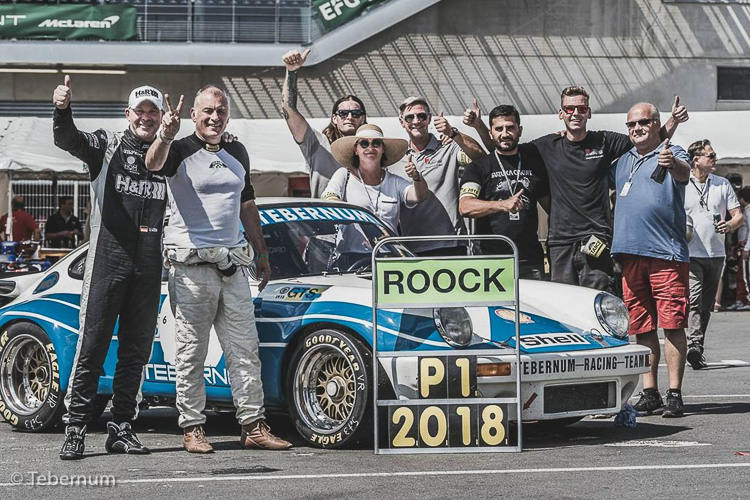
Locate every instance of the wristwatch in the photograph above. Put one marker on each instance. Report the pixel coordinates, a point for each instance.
(455, 132)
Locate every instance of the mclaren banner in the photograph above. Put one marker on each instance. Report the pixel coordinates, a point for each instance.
(68, 22)
(333, 13)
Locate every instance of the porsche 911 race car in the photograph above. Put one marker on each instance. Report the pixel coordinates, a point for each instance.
(315, 325)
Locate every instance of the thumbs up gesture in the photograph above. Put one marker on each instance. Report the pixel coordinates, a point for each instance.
(513, 204)
(473, 115)
(293, 60)
(679, 112)
(666, 158)
(62, 94)
(411, 170)
(442, 125)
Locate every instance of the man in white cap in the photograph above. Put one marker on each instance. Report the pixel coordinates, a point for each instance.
(123, 267)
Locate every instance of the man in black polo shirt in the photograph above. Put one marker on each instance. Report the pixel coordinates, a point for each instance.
(502, 189)
(63, 226)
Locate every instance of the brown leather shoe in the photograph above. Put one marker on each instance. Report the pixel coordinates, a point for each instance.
(258, 435)
(194, 440)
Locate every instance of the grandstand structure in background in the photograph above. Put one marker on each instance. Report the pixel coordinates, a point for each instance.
(450, 51)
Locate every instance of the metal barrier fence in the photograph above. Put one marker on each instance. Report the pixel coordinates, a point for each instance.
(216, 21)
(41, 197)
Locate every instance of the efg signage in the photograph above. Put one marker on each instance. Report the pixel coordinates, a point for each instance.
(333, 13)
(68, 22)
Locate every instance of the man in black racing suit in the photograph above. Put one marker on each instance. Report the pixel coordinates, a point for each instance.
(123, 267)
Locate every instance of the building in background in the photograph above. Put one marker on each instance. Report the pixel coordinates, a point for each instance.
(450, 51)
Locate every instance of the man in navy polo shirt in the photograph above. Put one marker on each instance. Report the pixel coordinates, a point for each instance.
(651, 243)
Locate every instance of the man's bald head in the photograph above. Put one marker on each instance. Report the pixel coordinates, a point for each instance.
(644, 126)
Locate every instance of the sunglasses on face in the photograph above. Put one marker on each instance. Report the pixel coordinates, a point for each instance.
(356, 113)
(376, 143)
(710, 156)
(419, 116)
(644, 122)
(569, 110)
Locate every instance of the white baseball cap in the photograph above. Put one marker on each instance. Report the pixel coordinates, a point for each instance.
(145, 93)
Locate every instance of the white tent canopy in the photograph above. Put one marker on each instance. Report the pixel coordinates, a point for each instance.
(26, 143)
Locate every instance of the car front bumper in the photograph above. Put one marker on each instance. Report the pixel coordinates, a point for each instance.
(553, 385)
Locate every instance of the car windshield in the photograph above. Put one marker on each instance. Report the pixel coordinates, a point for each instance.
(305, 241)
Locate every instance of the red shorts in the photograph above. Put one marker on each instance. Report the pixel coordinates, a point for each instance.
(655, 289)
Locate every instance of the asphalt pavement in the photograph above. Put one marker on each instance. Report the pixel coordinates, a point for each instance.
(706, 454)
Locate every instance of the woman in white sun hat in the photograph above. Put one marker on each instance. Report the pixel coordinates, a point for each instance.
(364, 180)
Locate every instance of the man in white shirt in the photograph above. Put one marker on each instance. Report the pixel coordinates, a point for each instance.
(743, 236)
(708, 198)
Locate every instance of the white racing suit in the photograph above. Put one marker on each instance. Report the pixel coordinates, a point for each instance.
(202, 297)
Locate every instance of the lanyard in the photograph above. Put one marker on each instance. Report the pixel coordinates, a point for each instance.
(703, 200)
(634, 168)
(511, 189)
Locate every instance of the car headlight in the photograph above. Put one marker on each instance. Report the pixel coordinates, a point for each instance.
(454, 325)
(612, 314)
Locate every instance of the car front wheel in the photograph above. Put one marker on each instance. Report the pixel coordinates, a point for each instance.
(30, 396)
(328, 389)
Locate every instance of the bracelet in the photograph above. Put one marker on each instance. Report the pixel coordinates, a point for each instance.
(164, 139)
(262, 256)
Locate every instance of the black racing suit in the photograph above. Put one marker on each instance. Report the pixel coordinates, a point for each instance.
(123, 267)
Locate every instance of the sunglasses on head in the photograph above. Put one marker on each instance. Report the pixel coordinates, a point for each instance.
(569, 110)
(356, 113)
(419, 116)
(644, 122)
(376, 143)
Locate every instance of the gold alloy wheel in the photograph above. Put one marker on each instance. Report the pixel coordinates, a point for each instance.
(325, 391)
(25, 374)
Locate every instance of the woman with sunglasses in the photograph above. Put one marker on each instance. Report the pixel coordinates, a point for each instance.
(347, 115)
(365, 181)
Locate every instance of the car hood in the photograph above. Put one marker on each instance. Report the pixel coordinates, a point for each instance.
(553, 317)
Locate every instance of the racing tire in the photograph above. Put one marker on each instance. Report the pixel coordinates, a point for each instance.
(30, 396)
(328, 389)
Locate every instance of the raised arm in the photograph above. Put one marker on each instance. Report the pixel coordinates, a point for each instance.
(471, 147)
(170, 125)
(297, 124)
(473, 118)
(87, 147)
(420, 191)
(679, 115)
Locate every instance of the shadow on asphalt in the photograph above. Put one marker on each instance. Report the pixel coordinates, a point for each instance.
(717, 408)
(223, 430)
(597, 432)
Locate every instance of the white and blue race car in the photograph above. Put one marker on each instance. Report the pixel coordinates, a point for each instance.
(315, 324)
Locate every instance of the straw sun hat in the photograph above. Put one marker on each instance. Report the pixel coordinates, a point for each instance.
(343, 148)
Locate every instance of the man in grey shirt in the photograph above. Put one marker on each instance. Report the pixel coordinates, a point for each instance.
(347, 115)
(438, 162)
(210, 193)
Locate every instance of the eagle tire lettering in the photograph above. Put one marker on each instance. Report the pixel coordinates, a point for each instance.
(30, 393)
(328, 387)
